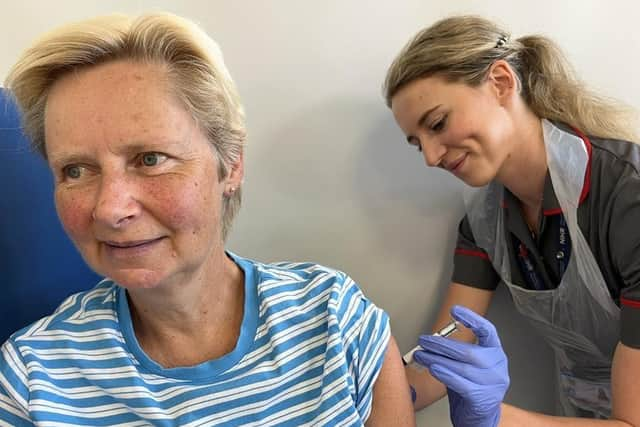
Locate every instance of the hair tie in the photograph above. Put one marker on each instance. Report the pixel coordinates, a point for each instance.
(501, 41)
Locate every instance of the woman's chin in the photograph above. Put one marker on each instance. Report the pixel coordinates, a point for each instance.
(136, 278)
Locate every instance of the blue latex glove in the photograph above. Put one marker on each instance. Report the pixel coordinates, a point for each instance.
(476, 376)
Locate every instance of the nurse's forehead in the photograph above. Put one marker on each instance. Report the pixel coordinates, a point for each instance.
(432, 89)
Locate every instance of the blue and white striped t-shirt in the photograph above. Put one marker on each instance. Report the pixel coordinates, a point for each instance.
(309, 352)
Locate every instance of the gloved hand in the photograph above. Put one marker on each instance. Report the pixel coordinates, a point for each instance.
(476, 376)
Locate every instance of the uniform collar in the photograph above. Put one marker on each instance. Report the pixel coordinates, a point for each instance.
(550, 204)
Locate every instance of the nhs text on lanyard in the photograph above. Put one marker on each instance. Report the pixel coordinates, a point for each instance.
(528, 268)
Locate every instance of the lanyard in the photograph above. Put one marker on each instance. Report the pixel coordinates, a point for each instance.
(527, 266)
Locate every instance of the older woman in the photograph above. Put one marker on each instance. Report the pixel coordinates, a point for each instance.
(142, 127)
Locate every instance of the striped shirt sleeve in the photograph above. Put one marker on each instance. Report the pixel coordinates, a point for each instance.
(14, 391)
(365, 334)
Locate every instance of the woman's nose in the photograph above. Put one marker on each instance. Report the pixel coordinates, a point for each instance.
(116, 203)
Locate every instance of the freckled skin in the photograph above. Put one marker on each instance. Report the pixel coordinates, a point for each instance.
(108, 116)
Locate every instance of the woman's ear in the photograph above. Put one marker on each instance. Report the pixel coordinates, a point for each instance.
(503, 81)
(236, 171)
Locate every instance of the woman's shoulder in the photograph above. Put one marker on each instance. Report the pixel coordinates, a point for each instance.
(300, 281)
(291, 288)
(303, 271)
(75, 313)
(288, 271)
(308, 275)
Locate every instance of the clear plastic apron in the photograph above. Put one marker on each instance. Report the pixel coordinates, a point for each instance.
(579, 318)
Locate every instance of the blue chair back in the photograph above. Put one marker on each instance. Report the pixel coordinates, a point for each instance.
(39, 266)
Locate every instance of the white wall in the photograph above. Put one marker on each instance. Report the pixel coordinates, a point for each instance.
(329, 178)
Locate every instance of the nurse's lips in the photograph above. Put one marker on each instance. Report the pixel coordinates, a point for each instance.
(455, 165)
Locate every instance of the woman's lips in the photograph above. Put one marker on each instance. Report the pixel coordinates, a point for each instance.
(132, 248)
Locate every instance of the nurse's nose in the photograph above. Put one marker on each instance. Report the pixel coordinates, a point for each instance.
(433, 152)
(116, 204)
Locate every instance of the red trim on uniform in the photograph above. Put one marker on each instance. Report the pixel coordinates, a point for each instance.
(630, 302)
(587, 174)
(469, 252)
(550, 212)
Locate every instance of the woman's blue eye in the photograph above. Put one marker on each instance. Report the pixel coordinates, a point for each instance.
(72, 172)
(150, 159)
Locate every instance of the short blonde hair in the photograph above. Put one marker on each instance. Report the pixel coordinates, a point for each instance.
(194, 64)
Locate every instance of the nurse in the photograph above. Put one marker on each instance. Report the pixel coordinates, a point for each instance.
(552, 212)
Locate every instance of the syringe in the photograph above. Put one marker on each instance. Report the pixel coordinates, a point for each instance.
(444, 332)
